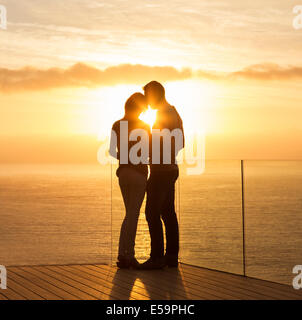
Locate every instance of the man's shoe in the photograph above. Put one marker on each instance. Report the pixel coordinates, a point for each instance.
(127, 263)
(171, 261)
(152, 264)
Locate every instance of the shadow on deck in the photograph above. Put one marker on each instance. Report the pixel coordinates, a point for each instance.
(94, 282)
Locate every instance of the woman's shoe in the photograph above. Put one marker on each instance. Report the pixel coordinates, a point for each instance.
(127, 263)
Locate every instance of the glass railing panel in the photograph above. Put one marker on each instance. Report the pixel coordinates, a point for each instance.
(210, 217)
(273, 219)
(54, 214)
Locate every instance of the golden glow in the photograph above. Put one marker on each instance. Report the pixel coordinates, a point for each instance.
(194, 100)
(100, 108)
(149, 116)
(96, 110)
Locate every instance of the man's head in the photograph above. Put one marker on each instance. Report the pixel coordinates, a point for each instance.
(155, 94)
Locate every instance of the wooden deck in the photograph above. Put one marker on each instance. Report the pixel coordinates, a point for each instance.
(95, 282)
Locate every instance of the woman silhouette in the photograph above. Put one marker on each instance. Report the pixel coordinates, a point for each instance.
(132, 176)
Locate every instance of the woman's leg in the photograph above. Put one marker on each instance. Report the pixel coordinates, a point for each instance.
(133, 186)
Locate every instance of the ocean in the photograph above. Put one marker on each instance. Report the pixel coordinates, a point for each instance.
(71, 214)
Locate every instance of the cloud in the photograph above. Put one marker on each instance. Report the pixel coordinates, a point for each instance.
(83, 75)
(268, 71)
(258, 72)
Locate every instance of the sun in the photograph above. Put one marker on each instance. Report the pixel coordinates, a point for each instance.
(149, 116)
(95, 110)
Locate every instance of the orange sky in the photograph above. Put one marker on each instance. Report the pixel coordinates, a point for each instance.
(231, 69)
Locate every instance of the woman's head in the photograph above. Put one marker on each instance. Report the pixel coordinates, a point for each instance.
(135, 105)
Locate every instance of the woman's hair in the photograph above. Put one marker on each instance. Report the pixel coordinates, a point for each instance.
(135, 104)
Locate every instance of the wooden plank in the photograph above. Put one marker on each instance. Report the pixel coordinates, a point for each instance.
(116, 285)
(35, 278)
(225, 292)
(71, 280)
(25, 292)
(107, 282)
(174, 285)
(2, 297)
(154, 282)
(33, 286)
(106, 279)
(126, 284)
(132, 278)
(240, 292)
(274, 290)
(52, 278)
(58, 280)
(214, 288)
(167, 279)
(98, 284)
(11, 294)
(261, 285)
(243, 293)
(241, 287)
(219, 286)
(137, 294)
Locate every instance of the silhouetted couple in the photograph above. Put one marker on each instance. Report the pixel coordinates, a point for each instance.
(133, 149)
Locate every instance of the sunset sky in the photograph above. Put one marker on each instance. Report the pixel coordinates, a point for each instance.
(232, 68)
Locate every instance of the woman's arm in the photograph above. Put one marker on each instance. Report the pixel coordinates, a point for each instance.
(113, 145)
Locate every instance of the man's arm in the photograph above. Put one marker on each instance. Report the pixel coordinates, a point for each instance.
(179, 125)
(150, 143)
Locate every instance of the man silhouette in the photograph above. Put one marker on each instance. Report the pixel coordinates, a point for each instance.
(161, 183)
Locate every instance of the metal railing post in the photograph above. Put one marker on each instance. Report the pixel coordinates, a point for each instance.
(243, 220)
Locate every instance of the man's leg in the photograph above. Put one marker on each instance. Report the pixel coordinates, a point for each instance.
(156, 193)
(170, 220)
(154, 203)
